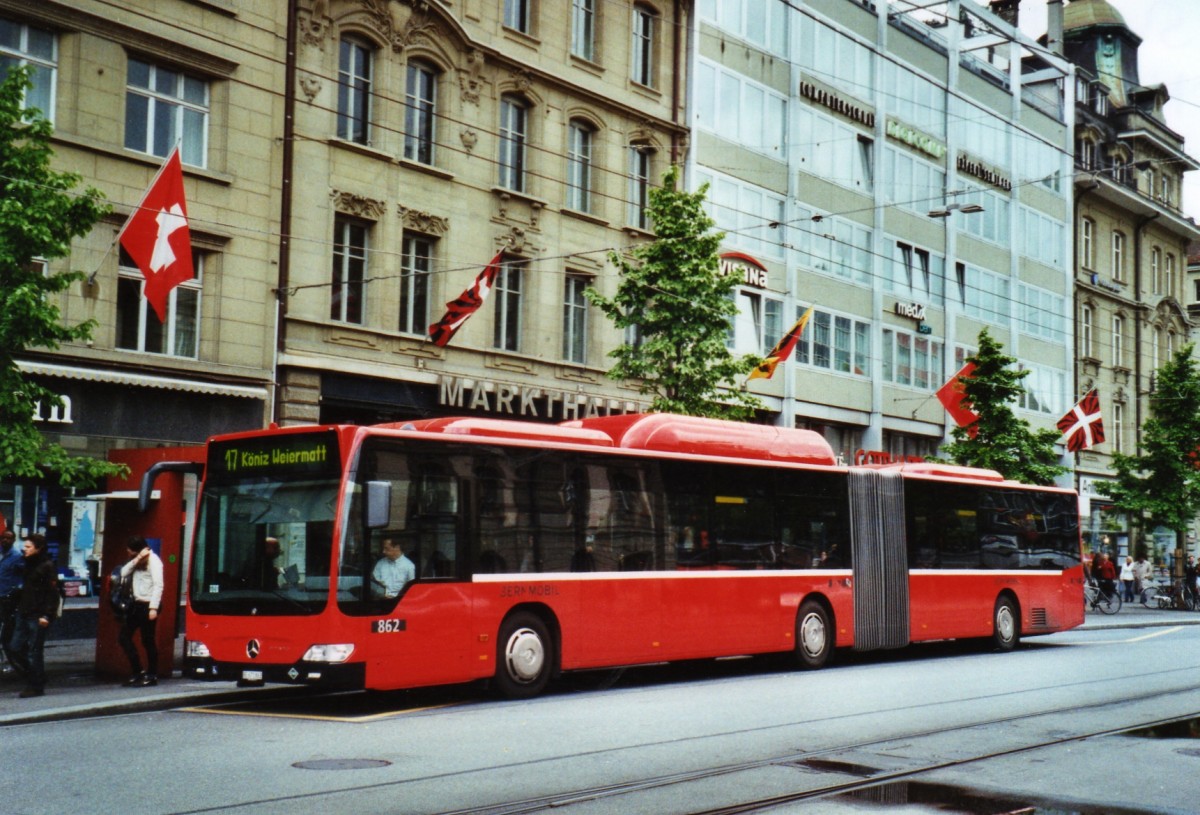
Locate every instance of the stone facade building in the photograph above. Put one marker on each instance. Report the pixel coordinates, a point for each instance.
(1132, 239)
(432, 137)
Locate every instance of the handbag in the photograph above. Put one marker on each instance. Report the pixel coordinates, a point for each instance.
(120, 593)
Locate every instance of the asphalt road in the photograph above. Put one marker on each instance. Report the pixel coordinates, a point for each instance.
(1048, 726)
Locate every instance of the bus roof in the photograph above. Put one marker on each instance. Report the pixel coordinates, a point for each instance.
(665, 432)
(505, 429)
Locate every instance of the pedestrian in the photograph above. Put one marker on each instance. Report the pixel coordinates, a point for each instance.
(1127, 578)
(142, 617)
(1104, 573)
(1189, 577)
(12, 564)
(37, 606)
(1143, 573)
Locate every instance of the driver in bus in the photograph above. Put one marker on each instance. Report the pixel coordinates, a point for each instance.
(393, 571)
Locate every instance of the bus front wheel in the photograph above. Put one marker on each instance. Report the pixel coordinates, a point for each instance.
(524, 656)
(1006, 625)
(814, 635)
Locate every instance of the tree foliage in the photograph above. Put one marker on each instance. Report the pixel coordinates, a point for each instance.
(1001, 441)
(674, 300)
(39, 216)
(1161, 485)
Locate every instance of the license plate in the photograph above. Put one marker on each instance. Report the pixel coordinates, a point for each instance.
(252, 676)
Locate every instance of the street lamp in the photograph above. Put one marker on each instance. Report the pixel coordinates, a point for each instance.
(945, 211)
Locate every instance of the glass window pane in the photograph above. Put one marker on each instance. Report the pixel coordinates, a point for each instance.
(139, 74)
(166, 81)
(137, 111)
(129, 300)
(164, 127)
(187, 318)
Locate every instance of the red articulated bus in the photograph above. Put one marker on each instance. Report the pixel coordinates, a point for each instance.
(529, 550)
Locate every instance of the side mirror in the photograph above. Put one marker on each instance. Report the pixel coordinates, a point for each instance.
(378, 509)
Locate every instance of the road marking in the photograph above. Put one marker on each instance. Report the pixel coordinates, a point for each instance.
(1134, 639)
(316, 717)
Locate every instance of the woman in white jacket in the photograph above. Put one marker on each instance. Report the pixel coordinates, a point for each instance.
(146, 570)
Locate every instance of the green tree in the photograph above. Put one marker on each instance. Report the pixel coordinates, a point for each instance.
(39, 215)
(999, 440)
(679, 307)
(1161, 485)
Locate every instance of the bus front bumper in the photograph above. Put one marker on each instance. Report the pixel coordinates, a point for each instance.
(247, 674)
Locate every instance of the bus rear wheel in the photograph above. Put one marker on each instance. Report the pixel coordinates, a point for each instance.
(1006, 625)
(814, 635)
(524, 656)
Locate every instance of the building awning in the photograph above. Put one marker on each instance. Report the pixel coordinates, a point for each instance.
(116, 377)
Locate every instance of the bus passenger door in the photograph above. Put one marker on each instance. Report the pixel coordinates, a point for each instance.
(880, 560)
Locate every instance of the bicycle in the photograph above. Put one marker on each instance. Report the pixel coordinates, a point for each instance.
(1107, 602)
(1169, 595)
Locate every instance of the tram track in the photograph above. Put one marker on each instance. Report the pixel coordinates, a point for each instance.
(815, 766)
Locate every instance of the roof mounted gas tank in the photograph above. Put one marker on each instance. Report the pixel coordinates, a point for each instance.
(667, 432)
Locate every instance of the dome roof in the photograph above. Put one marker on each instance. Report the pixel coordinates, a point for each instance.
(1086, 13)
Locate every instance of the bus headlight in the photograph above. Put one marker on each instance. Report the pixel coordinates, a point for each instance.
(196, 649)
(335, 653)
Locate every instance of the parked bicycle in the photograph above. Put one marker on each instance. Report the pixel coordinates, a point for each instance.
(1107, 602)
(1172, 595)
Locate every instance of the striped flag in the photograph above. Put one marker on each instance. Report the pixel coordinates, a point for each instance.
(782, 349)
(466, 304)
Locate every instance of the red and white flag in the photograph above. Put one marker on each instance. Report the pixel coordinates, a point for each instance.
(157, 237)
(466, 304)
(1082, 426)
(953, 397)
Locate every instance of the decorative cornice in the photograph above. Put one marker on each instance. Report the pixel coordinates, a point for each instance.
(425, 222)
(470, 77)
(314, 25)
(415, 29)
(357, 205)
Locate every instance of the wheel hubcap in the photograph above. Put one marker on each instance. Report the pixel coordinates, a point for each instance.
(1005, 624)
(525, 655)
(812, 635)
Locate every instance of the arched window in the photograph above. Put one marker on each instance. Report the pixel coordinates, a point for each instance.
(641, 162)
(580, 139)
(514, 126)
(645, 32)
(354, 90)
(420, 110)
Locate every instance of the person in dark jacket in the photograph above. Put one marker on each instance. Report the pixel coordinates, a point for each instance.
(37, 606)
(12, 564)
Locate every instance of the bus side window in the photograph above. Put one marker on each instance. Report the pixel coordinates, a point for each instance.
(435, 524)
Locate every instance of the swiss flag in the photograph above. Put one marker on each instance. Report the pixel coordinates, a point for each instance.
(156, 235)
(952, 395)
(1082, 426)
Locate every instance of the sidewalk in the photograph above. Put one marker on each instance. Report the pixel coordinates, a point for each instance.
(74, 691)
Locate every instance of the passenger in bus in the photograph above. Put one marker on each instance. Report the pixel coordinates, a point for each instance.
(393, 571)
(583, 560)
(269, 572)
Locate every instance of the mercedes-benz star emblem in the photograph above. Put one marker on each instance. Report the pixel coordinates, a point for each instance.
(252, 649)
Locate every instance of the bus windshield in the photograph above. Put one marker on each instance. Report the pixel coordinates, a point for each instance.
(265, 534)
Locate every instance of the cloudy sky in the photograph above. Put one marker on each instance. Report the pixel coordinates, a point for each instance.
(1170, 32)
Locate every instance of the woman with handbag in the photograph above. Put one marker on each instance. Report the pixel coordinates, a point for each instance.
(146, 570)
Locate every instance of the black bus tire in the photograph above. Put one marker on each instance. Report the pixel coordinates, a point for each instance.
(814, 635)
(524, 656)
(1006, 624)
